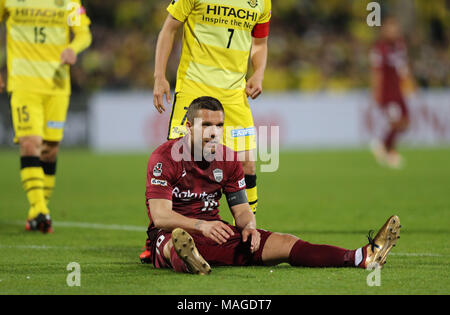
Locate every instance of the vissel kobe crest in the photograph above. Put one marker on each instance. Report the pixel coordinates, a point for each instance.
(218, 175)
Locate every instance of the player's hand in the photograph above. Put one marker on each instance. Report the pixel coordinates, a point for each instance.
(2, 84)
(161, 89)
(254, 237)
(68, 57)
(217, 231)
(254, 86)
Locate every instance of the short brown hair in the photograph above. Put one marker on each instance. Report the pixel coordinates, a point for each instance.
(204, 102)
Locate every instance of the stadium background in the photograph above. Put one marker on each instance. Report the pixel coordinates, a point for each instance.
(315, 46)
(318, 68)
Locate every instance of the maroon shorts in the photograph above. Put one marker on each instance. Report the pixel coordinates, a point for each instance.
(232, 253)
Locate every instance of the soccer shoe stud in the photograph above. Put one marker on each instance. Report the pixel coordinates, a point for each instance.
(186, 250)
(379, 247)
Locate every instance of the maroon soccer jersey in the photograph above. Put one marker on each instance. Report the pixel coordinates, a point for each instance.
(195, 188)
(391, 59)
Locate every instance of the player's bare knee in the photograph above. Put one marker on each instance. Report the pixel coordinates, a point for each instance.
(30, 146)
(290, 240)
(278, 248)
(50, 151)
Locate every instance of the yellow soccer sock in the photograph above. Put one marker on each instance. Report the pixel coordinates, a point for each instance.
(252, 191)
(49, 185)
(49, 169)
(32, 177)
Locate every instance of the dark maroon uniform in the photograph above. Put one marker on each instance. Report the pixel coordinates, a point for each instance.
(391, 59)
(195, 189)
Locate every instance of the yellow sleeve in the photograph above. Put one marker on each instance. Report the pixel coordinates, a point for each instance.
(82, 35)
(267, 14)
(82, 39)
(180, 9)
(2, 10)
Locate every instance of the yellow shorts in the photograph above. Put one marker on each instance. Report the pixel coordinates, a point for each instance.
(239, 129)
(41, 115)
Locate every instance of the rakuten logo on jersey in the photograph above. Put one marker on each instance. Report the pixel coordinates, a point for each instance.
(188, 195)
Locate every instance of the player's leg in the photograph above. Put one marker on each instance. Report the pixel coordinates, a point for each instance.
(32, 177)
(240, 135)
(177, 251)
(49, 157)
(247, 159)
(177, 121)
(196, 253)
(285, 248)
(28, 116)
(280, 248)
(398, 117)
(183, 248)
(160, 252)
(55, 109)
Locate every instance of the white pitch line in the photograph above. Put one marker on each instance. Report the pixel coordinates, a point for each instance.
(417, 254)
(38, 247)
(94, 226)
(133, 228)
(98, 226)
(44, 247)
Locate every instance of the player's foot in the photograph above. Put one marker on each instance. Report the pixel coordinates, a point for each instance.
(394, 160)
(146, 257)
(379, 151)
(41, 223)
(185, 248)
(379, 247)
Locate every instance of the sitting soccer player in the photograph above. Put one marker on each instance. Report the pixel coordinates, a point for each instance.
(185, 181)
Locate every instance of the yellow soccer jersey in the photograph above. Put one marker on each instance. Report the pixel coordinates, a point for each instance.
(37, 33)
(217, 39)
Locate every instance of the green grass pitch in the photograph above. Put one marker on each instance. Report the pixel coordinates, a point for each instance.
(331, 197)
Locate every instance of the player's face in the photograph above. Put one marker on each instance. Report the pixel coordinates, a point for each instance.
(391, 29)
(207, 126)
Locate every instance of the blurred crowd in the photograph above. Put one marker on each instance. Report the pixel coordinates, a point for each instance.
(314, 44)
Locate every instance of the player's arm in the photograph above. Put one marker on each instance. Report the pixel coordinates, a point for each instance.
(166, 219)
(246, 223)
(259, 62)
(82, 37)
(163, 49)
(244, 218)
(258, 54)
